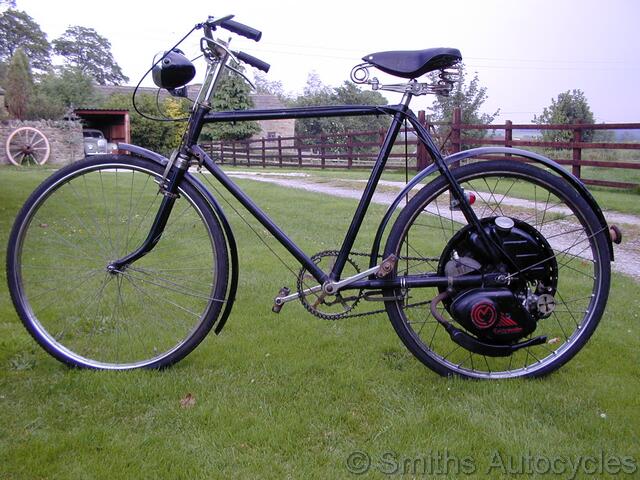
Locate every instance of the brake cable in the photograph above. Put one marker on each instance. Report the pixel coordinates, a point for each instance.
(135, 91)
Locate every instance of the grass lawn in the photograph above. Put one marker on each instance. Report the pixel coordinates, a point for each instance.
(292, 396)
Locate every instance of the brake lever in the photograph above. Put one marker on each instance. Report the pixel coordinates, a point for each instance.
(212, 23)
(235, 70)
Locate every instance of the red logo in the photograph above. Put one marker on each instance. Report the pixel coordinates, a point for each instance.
(507, 321)
(483, 315)
(507, 325)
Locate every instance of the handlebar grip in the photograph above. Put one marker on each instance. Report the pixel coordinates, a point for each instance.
(253, 61)
(240, 29)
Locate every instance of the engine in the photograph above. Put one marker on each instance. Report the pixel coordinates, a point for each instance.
(501, 315)
(494, 315)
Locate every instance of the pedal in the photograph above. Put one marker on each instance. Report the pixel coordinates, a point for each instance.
(277, 302)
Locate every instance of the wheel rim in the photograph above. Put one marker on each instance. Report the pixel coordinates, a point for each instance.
(579, 292)
(93, 317)
(27, 146)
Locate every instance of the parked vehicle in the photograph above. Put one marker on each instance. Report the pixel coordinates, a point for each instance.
(95, 143)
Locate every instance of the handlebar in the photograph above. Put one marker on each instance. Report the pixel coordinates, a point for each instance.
(232, 26)
(243, 30)
(253, 61)
(238, 28)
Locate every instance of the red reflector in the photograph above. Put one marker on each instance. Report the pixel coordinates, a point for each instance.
(471, 198)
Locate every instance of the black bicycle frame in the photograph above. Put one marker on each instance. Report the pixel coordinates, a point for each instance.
(399, 114)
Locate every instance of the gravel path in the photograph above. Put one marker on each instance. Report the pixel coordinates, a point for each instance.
(627, 254)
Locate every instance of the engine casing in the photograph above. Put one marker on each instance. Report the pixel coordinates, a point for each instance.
(492, 314)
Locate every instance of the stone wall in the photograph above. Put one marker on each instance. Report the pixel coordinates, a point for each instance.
(65, 139)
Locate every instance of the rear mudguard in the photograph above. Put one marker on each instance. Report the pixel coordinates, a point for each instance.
(475, 152)
(228, 233)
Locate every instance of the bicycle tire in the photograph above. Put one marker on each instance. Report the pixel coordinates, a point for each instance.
(92, 212)
(427, 224)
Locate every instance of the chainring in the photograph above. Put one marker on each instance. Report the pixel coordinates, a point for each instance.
(320, 304)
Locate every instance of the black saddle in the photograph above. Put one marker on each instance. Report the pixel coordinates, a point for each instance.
(412, 64)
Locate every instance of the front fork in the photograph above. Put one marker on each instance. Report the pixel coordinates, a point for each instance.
(169, 189)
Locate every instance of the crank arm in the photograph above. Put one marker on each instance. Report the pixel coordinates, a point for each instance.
(329, 288)
(282, 299)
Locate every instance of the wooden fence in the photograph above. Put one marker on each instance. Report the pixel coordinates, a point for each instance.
(359, 149)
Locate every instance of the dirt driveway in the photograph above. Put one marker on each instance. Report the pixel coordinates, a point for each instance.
(627, 254)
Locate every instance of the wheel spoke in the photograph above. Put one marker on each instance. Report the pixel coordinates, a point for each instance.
(570, 262)
(142, 315)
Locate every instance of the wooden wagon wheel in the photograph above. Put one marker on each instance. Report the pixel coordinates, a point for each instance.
(27, 146)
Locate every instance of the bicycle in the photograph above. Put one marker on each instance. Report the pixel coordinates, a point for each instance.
(494, 269)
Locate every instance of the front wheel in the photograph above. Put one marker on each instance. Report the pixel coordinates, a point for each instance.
(151, 313)
(559, 271)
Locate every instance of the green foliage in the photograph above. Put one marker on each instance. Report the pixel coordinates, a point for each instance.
(317, 93)
(569, 107)
(232, 93)
(19, 30)
(159, 136)
(87, 50)
(469, 98)
(71, 86)
(61, 90)
(19, 86)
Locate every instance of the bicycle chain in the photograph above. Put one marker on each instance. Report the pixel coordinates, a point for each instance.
(356, 315)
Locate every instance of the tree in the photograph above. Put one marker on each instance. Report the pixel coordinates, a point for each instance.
(268, 87)
(19, 85)
(59, 91)
(232, 93)
(87, 50)
(19, 30)
(316, 93)
(569, 107)
(469, 98)
(159, 136)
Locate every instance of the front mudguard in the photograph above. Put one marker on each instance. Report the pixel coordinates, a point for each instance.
(477, 152)
(226, 227)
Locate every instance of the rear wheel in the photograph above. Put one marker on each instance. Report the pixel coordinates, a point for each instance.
(575, 267)
(153, 312)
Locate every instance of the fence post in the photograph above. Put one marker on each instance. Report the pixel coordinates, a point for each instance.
(221, 152)
(508, 136)
(323, 140)
(422, 159)
(577, 151)
(299, 144)
(349, 150)
(233, 152)
(263, 153)
(280, 150)
(456, 144)
(455, 130)
(248, 153)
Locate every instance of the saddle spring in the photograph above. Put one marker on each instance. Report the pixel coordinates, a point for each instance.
(443, 84)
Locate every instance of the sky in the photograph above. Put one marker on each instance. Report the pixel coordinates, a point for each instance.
(525, 52)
